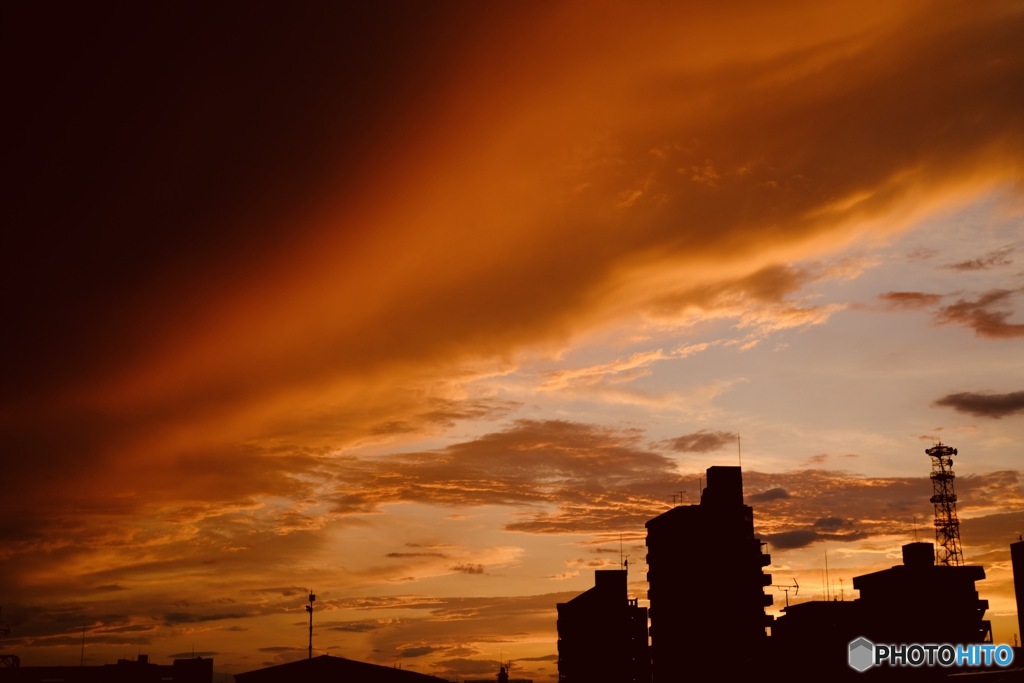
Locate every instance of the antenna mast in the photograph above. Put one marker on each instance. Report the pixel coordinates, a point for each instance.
(947, 527)
(309, 608)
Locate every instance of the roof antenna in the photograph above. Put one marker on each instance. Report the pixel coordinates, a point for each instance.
(739, 449)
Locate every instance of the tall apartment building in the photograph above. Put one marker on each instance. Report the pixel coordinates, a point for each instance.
(705, 570)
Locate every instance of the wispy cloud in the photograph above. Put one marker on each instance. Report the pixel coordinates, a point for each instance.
(996, 259)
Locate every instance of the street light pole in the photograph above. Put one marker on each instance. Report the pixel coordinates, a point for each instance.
(309, 608)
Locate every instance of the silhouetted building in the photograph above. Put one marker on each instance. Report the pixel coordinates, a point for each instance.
(502, 677)
(921, 602)
(916, 602)
(326, 668)
(602, 634)
(1017, 562)
(705, 570)
(141, 670)
(814, 636)
(816, 622)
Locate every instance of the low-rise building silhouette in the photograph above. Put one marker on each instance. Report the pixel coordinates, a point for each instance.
(923, 602)
(141, 670)
(602, 634)
(328, 669)
(915, 602)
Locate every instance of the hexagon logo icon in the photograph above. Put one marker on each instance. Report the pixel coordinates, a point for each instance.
(862, 654)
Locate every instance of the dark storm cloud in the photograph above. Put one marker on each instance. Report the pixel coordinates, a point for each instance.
(984, 404)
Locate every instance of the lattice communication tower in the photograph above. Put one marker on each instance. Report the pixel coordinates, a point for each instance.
(947, 526)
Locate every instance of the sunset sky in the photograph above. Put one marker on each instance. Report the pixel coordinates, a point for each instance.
(428, 306)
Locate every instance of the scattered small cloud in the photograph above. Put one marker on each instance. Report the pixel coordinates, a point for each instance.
(703, 441)
(565, 575)
(984, 404)
(468, 568)
(1000, 257)
(788, 540)
(356, 627)
(922, 254)
(184, 618)
(462, 666)
(544, 658)
(801, 538)
(910, 300)
(981, 316)
(770, 494)
(830, 523)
